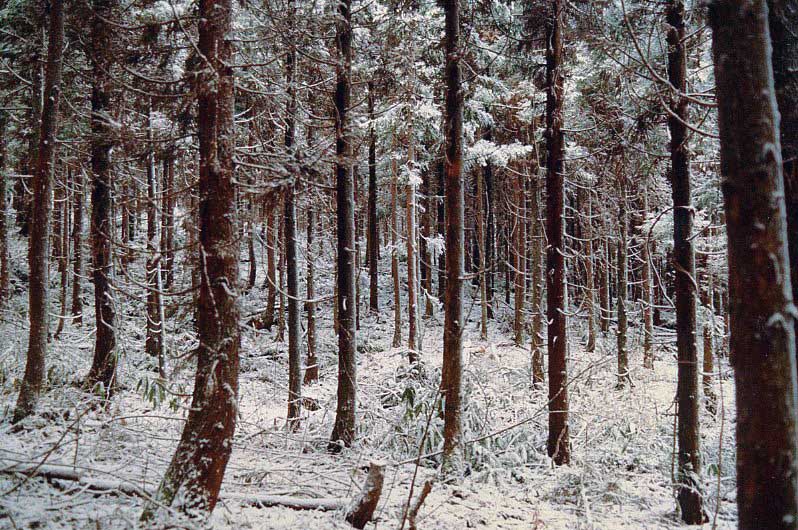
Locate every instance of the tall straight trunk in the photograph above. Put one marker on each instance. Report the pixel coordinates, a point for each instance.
(195, 473)
(783, 20)
(38, 251)
(62, 253)
(281, 266)
(168, 222)
(537, 291)
(77, 248)
(103, 367)
(271, 270)
(760, 288)
(312, 369)
(622, 292)
(345, 414)
(481, 264)
(559, 445)
(441, 225)
(397, 294)
(427, 259)
(154, 345)
(690, 496)
(253, 262)
(373, 237)
(454, 324)
(294, 325)
(490, 229)
(4, 276)
(605, 312)
(519, 257)
(590, 280)
(412, 261)
(709, 351)
(648, 299)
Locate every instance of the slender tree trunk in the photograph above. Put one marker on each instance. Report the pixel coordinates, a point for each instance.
(441, 225)
(38, 251)
(519, 253)
(168, 222)
(783, 20)
(690, 496)
(760, 291)
(154, 344)
(537, 291)
(709, 339)
(397, 294)
(412, 261)
(373, 236)
(648, 299)
(271, 271)
(4, 275)
(622, 292)
(294, 325)
(345, 414)
(61, 236)
(103, 367)
(454, 324)
(312, 369)
(604, 288)
(281, 265)
(195, 473)
(77, 249)
(427, 258)
(481, 264)
(559, 445)
(590, 282)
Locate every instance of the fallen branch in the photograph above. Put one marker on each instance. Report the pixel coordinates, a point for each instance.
(358, 515)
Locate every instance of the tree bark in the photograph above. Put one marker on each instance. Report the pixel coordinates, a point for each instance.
(4, 276)
(479, 226)
(590, 281)
(294, 326)
(397, 293)
(537, 291)
(519, 253)
(622, 292)
(454, 324)
(559, 445)
(373, 237)
(345, 414)
(648, 299)
(77, 248)
(103, 367)
(412, 259)
(690, 496)
(38, 251)
(312, 369)
(760, 291)
(196, 471)
(154, 342)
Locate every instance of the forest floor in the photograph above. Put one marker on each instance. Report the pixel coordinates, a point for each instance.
(623, 440)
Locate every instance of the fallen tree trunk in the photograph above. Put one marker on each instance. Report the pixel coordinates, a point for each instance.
(359, 513)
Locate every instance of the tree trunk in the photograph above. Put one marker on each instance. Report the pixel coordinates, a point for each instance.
(441, 226)
(590, 282)
(559, 445)
(294, 325)
(537, 291)
(345, 414)
(690, 496)
(77, 249)
(312, 369)
(783, 19)
(412, 261)
(168, 222)
(103, 367)
(760, 297)
(479, 226)
(38, 251)
(4, 276)
(61, 236)
(154, 344)
(454, 324)
(604, 288)
(397, 294)
(622, 292)
(195, 473)
(648, 299)
(373, 237)
(271, 270)
(709, 338)
(519, 253)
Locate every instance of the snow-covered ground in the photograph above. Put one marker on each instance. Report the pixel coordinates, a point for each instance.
(623, 440)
